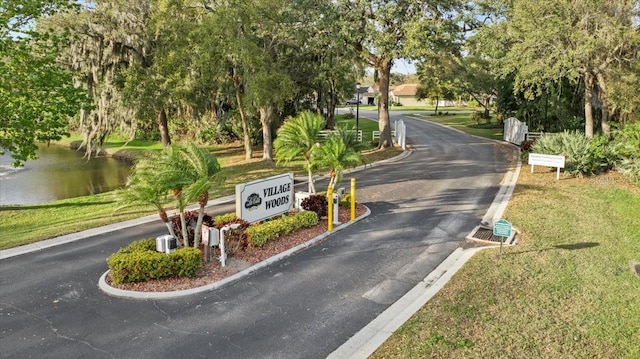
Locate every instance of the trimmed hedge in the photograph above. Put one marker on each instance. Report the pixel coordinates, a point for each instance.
(139, 262)
(260, 233)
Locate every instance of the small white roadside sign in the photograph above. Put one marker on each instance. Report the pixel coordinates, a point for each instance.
(538, 159)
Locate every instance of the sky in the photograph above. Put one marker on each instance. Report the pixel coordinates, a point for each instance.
(404, 67)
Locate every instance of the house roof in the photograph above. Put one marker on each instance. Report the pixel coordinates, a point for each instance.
(405, 90)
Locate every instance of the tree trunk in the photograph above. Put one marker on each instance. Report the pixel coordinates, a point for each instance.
(266, 116)
(331, 105)
(312, 187)
(248, 151)
(163, 128)
(384, 73)
(605, 125)
(588, 106)
(163, 216)
(197, 232)
(185, 233)
(435, 112)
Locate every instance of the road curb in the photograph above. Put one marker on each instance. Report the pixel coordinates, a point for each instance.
(115, 292)
(374, 334)
(72, 237)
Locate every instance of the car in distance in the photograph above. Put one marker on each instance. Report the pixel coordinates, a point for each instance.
(353, 101)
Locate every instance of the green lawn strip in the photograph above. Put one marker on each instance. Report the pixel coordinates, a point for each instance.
(463, 122)
(31, 223)
(565, 291)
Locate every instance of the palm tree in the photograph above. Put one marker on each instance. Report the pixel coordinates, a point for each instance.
(298, 136)
(143, 187)
(340, 150)
(171, 175)
(200, 169)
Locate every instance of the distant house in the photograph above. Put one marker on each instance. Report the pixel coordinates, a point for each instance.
(367, 95)
(406, 95)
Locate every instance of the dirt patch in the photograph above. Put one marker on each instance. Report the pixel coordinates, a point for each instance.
(212, 272)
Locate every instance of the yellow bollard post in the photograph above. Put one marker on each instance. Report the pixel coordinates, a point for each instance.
(353, 199)
(330, 209)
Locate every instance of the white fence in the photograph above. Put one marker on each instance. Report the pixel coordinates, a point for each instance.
(322, 136)
(515, 131)
(401, 132)
(376, 134)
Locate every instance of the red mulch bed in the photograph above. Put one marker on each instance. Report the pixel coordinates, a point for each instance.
(212, 272)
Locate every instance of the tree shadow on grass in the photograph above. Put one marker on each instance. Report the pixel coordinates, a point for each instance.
(573, 246)
(570, 247)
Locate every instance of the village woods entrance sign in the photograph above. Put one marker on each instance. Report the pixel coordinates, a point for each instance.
(265, 198)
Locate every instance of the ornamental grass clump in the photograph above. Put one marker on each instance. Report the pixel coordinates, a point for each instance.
(583, 156)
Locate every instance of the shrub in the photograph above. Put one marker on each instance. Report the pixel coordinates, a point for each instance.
(260, 233)
(348, 116)
(148, 244)
(480, 118)
(234, 239)
(583, 156)
(316, 203)
(139, 261)
(224, 218)
(306, 219)
(626, 146)
(185, 262)
(345, 202)
(191, 219)
(526, 146)
(138, 266)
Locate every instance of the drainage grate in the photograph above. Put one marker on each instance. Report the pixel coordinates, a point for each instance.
(483, 234)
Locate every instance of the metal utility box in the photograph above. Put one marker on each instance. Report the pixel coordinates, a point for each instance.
(210, 236)
(166, 243)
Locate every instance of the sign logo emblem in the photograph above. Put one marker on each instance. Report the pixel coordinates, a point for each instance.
(253, 202)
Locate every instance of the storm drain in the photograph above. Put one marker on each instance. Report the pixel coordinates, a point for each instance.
(485, 235)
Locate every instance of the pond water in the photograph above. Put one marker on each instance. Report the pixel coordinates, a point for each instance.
(58, 173)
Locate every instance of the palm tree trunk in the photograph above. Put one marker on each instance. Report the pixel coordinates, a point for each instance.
(202, 200)
(185, 234)
(312, 187)
(163, 216)
(198, 230)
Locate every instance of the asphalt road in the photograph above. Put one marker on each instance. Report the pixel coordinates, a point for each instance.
(302, 307)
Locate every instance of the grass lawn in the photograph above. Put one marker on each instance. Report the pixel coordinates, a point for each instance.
(31, 223)
(464, 123)
(567, 290)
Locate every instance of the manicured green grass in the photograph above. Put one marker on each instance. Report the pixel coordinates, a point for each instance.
(31, 223)
(463, 122)
(567, 290)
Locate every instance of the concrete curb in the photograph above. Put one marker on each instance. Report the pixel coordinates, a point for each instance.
(374, 334)
(115, 292)
(48, 243)
(72, 237)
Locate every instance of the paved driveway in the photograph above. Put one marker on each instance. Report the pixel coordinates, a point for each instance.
(303, 307)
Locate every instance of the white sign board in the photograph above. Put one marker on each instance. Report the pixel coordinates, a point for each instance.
(548, 161)
(265, 198)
